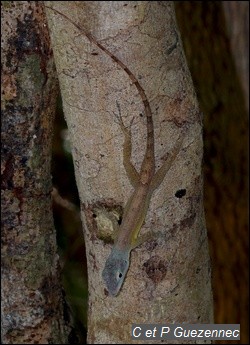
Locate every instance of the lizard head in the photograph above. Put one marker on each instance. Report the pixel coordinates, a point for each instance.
(115, 270)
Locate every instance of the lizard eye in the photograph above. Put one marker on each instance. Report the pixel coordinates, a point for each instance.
(120, 275)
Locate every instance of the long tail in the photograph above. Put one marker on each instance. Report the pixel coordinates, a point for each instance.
(150, 126)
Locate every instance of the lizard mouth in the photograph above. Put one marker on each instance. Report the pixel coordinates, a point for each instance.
(115, 271)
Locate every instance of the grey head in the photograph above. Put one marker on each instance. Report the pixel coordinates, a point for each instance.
(115, 270)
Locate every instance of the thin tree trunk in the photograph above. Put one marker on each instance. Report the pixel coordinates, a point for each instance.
(169, 276)
(31, 294)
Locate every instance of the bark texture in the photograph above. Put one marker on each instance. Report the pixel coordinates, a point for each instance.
(237, 24)
(31, 294)
(219, 88)
(169, 277)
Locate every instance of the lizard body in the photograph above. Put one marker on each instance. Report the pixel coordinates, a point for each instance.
(144, 183)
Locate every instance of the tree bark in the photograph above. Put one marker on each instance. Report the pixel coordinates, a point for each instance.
(237, 22)
(221, 97)
(31, 294)
(169, 277)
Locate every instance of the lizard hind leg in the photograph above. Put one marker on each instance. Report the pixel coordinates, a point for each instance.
(167, 163)
(131, 172)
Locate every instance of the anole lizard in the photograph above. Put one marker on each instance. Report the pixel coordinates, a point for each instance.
(144, 183)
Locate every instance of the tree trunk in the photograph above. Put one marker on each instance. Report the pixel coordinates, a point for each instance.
(237, 23)
(31, 293)
(226, 142)
(169, 276)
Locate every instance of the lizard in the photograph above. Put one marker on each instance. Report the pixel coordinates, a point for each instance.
(144, 182)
